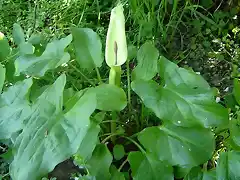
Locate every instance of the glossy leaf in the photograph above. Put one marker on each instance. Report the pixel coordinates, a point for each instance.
(2, 76)
(100, 162)
(118, 151)
(172, 75)
(67, 95)
(18, 34)
(14, 108)
(196, 173)
(73, 100)
(184, 99)
(36, 91)
(88, 48)
(26, 48)
(5, 48)
(228, 165)
(89, 141)
(181, 171)
(148, 167)
(234, 128)
(52, 57)
(132, 52)
(180, 146)
(35, 39)
(115, 174)
(51, 136)
(236, 90)
(147, 67)
(110, 97)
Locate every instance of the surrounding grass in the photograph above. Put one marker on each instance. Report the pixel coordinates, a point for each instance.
(201, 36)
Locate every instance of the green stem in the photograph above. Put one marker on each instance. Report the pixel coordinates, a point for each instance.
(114, 79)
(115, 76)
(120, 168)
(129, 88)
(110, 137)
(98, 75)
(5, 175)
(85, 77)
(134, 142)
(114, 126)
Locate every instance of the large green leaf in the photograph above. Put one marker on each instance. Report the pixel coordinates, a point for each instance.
(184, 99)
(100, 162)
(35, 39)
(234, 127)
(2, 76)
(88, 48)
(51, 136)
(26, 48)
(14, 108)
(172, 75)
(115, 174)
(147, 57)
(228, 166)
(52, 57)
(5, 48)
(180, 146)
(196, 173)
(148, 167)
(18, 34)
(89, 142)
(54, 94)
(110, 97)
(236, 90)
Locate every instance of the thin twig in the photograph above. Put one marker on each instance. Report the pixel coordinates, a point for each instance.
(109, 137)
(129, 87)
(124, 162)
(219, 6)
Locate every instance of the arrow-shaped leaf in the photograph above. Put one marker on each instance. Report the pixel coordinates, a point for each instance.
(14, 108)
(51, 136)
(184, 98)
(88, 48)
(52, 57)
(177, 145)
(148, 167)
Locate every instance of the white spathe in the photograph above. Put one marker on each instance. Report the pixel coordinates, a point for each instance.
(116, 44)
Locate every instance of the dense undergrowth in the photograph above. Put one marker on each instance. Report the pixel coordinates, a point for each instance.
(78, 104)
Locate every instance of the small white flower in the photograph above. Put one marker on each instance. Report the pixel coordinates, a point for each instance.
(218, 99)
(226, 90)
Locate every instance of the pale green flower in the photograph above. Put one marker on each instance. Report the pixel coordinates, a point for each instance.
(116, 44)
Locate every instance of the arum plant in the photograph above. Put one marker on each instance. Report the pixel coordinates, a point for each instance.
(116, 49)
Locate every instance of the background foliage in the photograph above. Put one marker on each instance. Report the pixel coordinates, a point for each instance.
(176, 112)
